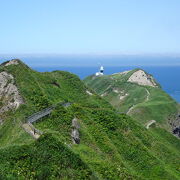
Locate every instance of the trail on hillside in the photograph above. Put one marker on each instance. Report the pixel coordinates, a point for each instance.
(133, 106)
(130, 109)
(30, 129)
(28, 126)
(148, 94)
(105, 90)
(150, 123)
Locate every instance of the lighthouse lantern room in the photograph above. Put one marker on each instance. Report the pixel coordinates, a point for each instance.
(101, 71)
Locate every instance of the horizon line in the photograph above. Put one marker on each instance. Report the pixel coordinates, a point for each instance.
(8, 55)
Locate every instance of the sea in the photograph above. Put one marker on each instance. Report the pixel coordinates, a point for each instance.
(167, 76)
(165, 69)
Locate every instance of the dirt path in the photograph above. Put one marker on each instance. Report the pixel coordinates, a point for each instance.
(133, 106)
(148, 94)
(30, 129)
(130, 109)
(150, 123)
(104, 92)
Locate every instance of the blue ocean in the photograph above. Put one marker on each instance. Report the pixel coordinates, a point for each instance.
(165, 69)
(168, 77)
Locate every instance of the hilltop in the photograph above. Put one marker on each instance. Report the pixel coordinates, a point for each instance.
(137, 94)
(81, 137)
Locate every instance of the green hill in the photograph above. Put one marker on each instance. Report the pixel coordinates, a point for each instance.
(137, 94)
(86, 139)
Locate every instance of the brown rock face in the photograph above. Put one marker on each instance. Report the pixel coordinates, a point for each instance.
(9, 94)
(75, 131)
(12, 62)
(141, 78)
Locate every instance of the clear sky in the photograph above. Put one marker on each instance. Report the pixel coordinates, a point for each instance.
(89, 26)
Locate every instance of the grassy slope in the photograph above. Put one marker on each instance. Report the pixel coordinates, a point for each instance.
(113, 146)
(159, 106)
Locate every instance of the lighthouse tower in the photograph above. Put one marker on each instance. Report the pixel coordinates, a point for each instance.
(101, 71)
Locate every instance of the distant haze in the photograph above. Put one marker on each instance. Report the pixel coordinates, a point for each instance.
(95, 60)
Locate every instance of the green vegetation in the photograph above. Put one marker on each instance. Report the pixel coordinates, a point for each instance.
(143, 103)
(47, 158)
(112, 145)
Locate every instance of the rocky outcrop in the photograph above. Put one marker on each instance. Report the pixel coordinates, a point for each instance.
(104, 94)
(12, 62)
(75, 131)
(121, 97)
(141, 78)
(174, 122)
(121, 93)
(9, 95)
(115, 90)
(176, 131)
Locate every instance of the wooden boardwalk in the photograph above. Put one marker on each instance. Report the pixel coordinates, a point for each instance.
(28, 126)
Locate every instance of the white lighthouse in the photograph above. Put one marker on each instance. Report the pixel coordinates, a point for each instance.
(101, 71)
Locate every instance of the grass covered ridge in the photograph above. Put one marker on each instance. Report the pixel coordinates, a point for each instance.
(112, 145)
(144, 103)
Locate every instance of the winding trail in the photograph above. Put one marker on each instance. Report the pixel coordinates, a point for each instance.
(130, 109)
(30, 129)
(133, 106)
(104, 92)
(150, 123)
(148, 94)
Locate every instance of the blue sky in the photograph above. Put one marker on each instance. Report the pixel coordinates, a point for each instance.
(89, 27)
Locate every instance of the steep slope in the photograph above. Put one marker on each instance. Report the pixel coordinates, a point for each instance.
(86, 139)
(137, 94)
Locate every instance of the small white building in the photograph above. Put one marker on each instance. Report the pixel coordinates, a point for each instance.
(101, 71)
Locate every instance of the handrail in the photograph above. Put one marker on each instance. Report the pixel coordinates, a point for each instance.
(38, 115)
